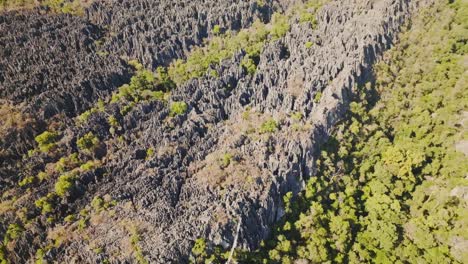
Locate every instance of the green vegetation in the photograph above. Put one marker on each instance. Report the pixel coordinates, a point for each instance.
(99, 204)
(251, 40)
(269, 126)
(199, 248)
(249, 65)
(74, 7)
(13, 232)
(149, 153)
(134, 240)
(113, 122)
(27, 181)
(46, 141)
(81, 119)
(216, 29)
(178, 108)
(42, 176)
(89, 165)
(317, 97)
(88, 142)
(70, 218)
(46, 203)
(296, 116)
(388, 186)
(226, 160)
(309, 44)
(65, 183)
(308, 11)
(16, 4)
(67, 163)
(144, 86)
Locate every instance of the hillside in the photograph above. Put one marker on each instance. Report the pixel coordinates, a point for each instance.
(233, 131)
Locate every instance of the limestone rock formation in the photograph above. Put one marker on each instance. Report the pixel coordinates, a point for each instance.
(243, 143)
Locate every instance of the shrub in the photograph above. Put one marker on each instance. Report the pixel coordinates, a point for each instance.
(280, 26)
(249, 65)
(85, 115)
(89, 165)
(309, 44)
(46, 140)
(149, 153)
(97, 203)
(65, 183)
(317, 97)
(26, 181)
(13, 232)
(65, 163)
(216, 29)
(269, 126)
(43, 176)
(70, 218)
(178, 108)
(297, 116)
(226, 160)
(134, 239)
(199, 248)
(88, 142)
(144, 85)
(45, 203)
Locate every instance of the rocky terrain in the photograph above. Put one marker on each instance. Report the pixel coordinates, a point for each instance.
(87, 176)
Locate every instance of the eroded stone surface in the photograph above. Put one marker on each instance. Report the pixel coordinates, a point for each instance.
(186, 190)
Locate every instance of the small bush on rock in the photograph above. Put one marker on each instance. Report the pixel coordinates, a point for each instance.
(88, 142)
(178, 108)
(65, 183)
(269, 126)
(46, 140)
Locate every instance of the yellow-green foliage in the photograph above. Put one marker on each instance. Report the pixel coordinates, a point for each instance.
(134, 240)
(89, 165)
(85, 115)
(113, 122)
(67, 163)
(65, 183)
(149, 153)
(46, 140)
(16, 4)
(226, 160)
(251, 40)
(144, 86)
(216, 29)
(45, 203)
(26, 181)
(216, 50)
(88, 142)
(178, 108)
(199, 248)
(269, 126)
(389, 183)
(12, 233)
(249, 65)
(73, 7)
(100, 204)
(317, 97)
